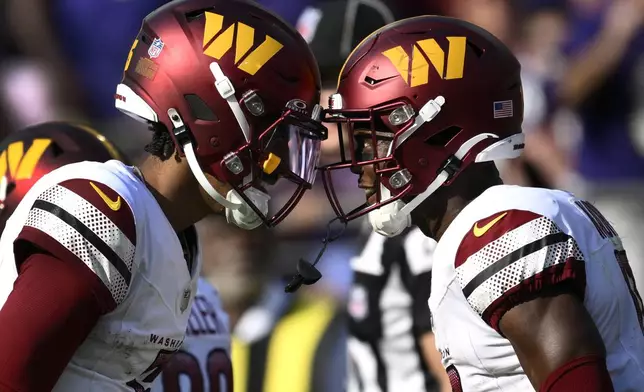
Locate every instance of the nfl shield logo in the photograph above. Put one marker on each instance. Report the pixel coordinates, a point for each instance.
(358, 303)
(155, 49)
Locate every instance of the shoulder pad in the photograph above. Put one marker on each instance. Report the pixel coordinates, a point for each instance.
(91, 222)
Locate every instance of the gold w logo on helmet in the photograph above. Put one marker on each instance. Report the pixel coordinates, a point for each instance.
(216, 44)
(21, 165)
(429, 48)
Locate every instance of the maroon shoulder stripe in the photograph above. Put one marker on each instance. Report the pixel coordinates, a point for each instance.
(489, 230)
(108, 201)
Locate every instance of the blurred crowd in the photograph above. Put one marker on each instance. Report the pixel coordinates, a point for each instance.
(583, 83)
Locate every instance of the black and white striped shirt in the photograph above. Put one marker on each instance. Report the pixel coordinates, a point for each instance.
(389, 313)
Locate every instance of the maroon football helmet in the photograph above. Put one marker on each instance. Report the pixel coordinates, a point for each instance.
(29, 154)
(442, 94)
(238, 90)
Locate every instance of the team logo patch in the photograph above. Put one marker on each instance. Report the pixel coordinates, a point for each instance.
(18, 164)
(155, 49)
(415, 68)
(217, 42)
(185, 299)
(358, 303)
(479, 231)
(114, 205)
(146, 68)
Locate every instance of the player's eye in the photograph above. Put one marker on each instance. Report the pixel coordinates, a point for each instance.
(364, 147)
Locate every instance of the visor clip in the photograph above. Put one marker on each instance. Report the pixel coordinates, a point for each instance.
(317, 112)
(180, 130)
(452, 166)
(233, 163)
(253, 103)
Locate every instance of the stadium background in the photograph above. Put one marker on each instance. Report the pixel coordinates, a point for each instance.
(583, 75)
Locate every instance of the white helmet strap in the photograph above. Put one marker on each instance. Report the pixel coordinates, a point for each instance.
(188, 150)
(237, 210)
(227, 91)
(393, 218)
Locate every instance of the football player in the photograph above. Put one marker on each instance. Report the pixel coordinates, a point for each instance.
(531, 288)
(56, 144)
(106, 255)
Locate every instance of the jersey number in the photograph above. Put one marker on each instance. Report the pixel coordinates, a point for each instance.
(152, 371)
(606, 230)
(218, 367)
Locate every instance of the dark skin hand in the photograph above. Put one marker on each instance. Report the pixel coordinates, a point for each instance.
(548, 332)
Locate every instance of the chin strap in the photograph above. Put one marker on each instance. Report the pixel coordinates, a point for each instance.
(237, 211)
(387, 219)
(205, 184)
(245, 217)
(392, 219)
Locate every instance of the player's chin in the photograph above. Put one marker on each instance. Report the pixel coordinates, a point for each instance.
(371, 196)
(212, 205)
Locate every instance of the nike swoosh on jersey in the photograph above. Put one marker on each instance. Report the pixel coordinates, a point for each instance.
(479, 231)
(114, 205)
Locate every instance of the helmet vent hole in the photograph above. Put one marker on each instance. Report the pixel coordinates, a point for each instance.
(443, 137)
(11, 186)
(370, 80)
(194, 15)
(199, 109)
(479, 52)
(288, 78)
(56, 150)
(145, 39)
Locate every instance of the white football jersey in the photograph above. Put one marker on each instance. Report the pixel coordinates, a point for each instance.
(203, 363)
(388, 313)
(103, 214)
(504, 248)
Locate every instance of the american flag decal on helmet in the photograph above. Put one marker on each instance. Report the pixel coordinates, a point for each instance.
(503, 109)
